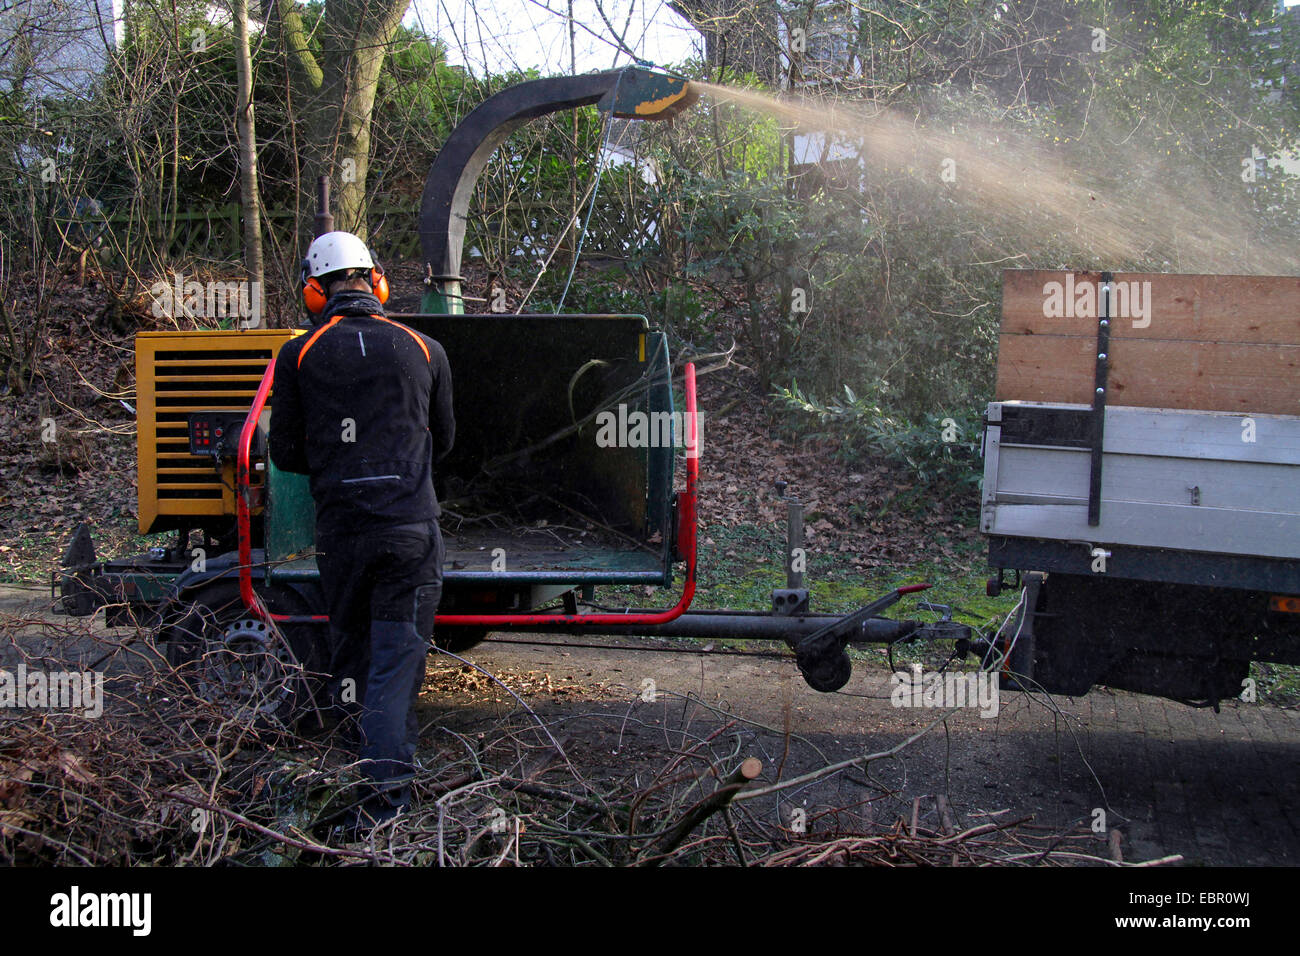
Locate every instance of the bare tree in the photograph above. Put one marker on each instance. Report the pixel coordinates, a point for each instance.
(248, 152)
(338, 90)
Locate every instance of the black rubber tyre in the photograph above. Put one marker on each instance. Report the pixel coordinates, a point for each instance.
(251, 669)
(458, 640)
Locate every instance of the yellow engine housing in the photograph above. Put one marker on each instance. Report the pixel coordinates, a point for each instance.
(181, 372)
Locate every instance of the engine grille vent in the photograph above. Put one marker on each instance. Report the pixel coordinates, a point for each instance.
(178, 373)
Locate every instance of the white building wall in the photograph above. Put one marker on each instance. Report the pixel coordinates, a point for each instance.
(66, 42)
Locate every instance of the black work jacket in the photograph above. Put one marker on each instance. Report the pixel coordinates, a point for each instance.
(362, 404)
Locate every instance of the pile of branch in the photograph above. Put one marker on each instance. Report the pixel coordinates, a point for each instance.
(169, 775)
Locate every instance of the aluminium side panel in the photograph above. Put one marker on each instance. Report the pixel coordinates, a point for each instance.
(1209, 482)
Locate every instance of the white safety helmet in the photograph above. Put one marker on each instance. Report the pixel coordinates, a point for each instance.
(334, 251)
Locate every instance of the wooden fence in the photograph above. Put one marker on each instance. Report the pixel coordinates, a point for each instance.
(215, 233)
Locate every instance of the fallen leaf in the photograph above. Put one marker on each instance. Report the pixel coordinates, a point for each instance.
(71, 765)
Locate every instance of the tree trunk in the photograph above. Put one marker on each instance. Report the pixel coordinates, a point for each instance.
(339, 93)
(248, 198)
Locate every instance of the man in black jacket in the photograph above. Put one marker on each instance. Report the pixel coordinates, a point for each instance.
(363, 405)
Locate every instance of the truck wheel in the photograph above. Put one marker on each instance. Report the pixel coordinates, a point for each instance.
(459, 639)
(248, 667)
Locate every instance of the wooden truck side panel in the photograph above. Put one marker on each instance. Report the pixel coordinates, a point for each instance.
(1207, 343)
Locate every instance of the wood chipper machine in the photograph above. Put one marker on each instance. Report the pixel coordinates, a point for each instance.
(561, 480)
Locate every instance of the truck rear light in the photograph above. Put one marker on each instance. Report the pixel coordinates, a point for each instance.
(1284, 603)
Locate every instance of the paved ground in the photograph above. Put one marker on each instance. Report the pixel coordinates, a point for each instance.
(1216, 788)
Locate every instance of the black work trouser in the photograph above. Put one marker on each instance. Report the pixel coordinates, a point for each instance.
(382, 588)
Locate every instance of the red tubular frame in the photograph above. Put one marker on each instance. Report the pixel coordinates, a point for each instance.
(243, 512)
(686, 533)
(243, 508)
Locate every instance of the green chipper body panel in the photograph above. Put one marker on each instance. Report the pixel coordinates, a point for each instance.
(562, 468)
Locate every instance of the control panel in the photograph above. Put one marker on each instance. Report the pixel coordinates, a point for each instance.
(215, 434)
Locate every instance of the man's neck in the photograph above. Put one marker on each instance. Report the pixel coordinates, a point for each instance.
(351, 302)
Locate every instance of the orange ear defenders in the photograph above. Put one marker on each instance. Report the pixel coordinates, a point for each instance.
(379, 283)
(314, 295)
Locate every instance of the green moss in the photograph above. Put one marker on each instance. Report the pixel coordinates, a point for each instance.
(1276, 684)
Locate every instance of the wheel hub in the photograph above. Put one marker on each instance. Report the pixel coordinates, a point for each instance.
(247, 669)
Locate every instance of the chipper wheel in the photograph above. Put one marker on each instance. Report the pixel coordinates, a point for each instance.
(252, 669)
(459, 639)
